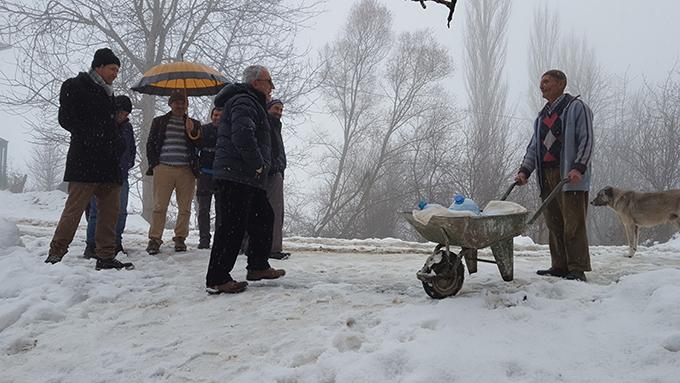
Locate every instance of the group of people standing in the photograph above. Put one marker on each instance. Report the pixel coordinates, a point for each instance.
(238, 158)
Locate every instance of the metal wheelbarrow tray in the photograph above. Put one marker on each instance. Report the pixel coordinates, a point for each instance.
(443, 273)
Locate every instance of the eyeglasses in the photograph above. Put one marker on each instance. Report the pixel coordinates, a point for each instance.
(267, 80)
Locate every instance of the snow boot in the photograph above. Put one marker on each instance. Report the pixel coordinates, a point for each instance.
(113, 263)
(231, 287)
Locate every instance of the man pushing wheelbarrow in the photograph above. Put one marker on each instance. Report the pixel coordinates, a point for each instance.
(559, 152)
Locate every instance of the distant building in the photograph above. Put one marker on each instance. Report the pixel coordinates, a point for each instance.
(3, 163)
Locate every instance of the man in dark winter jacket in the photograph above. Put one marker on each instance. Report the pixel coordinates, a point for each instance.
(205, 188)
(87, 110)
(127, 161)
(274, 184)
(242, 161)
(173, 163)
(561, 147)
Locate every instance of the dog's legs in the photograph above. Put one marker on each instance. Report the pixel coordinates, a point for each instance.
(632, 236)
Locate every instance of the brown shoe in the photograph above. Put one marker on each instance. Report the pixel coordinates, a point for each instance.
(154, 246)
(270, 273)
(179, 244)
(231, 287)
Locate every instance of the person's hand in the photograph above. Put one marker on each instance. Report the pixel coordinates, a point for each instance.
(189, 125)
(521, 178)
(574, 176)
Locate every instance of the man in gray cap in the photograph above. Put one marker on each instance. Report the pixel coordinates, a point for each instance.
(173, 163)
(87, 109)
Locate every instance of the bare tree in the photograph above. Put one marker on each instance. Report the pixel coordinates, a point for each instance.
(46, 166)
(53, 37)
(380, 92)
(488, 153)
(544, 40)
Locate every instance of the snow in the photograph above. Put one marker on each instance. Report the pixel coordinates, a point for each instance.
(347, 311)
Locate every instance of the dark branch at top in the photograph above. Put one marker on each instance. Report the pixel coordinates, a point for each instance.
(450, 4)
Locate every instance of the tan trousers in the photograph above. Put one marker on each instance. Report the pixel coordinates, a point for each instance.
(565, 217)
(167, 179)
(107, 196)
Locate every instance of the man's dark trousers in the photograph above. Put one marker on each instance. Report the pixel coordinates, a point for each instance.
(204, 195)
(565, 217)
(241, 208)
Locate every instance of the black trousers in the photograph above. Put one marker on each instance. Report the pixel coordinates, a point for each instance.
(241, 209)
(204, 194)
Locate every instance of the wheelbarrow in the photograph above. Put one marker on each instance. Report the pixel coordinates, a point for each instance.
(443, 273)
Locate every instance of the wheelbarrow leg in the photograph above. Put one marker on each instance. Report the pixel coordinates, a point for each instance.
(503, 254)
(470, 256)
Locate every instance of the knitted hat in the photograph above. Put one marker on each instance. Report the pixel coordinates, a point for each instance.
(104, 56)
(123, 103)
(274, 102)
(177, 97)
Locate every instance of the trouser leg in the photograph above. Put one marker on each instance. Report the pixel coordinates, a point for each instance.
(163, 185)
(122, 214)
(91, 214)
(575, 208)
(79, 194)
(204, 197)
(108, 205)
(185, 187)
(275, 197)
(259, 227)
(554, 220)
(232, 200)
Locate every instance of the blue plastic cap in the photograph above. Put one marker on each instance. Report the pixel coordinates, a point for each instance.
(458, 199)
(422, 204)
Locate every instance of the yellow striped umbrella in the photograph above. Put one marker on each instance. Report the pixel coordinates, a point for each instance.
(192, 79)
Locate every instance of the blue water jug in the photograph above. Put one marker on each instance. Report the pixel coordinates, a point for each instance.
(460, 203)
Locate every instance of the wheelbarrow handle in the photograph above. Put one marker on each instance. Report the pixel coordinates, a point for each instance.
(507, 192)
(546, 201)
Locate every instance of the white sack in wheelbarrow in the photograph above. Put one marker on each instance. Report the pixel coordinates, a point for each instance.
(493, 208)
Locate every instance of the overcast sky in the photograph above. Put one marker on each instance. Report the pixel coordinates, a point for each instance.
(634, 37)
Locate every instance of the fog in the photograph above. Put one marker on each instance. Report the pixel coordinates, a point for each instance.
(634, 43)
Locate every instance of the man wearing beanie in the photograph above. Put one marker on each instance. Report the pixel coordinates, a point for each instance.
(87, 110)
(205, 188)
(173, 163)
(274, 184)
(127, 161)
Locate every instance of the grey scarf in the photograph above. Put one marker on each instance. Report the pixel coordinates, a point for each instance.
(100, 81)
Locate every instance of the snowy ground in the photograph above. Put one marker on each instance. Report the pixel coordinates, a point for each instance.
(347, 311)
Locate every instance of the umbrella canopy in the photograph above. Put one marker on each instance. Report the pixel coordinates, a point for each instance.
(192, 79)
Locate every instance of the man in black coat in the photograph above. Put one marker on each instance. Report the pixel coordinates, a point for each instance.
(274, 185)
(205, 188)
(87, 110)
(242, 161)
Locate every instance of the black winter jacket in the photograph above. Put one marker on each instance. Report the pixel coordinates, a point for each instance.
(154, 144)
(243, 137)
(206, 155)
(278, 151)
(88, 113)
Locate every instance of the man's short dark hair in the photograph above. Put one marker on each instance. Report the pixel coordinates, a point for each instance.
(556, 74)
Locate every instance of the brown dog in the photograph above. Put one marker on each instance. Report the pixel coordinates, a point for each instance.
(637, 209)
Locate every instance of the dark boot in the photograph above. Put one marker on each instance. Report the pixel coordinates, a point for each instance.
(154, 246)
(279, 255)
(113, 263)
(53, 258)
(120, 249)
(204, 243)
(552, 272)
(89, 252)
(179, 244)
(576, 276)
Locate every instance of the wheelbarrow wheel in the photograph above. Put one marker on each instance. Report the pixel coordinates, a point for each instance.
(447, 283)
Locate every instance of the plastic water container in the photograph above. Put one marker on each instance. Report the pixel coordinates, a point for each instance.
(460, 203)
